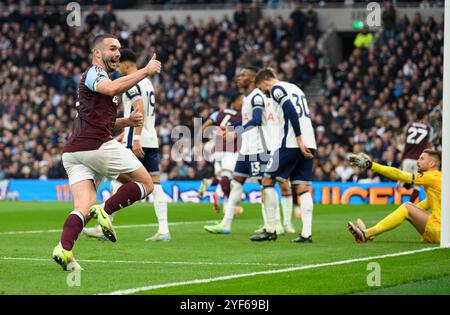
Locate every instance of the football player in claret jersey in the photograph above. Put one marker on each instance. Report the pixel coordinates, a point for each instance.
(225, 152)
(252, 152)
(417, 137)
(142, 140)
(91, 153)
(293, 159)
(428, 176)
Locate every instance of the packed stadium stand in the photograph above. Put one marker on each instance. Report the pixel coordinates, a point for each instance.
(363, 105)
(367, 99)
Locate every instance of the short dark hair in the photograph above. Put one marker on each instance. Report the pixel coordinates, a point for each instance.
(251, 68)
(434, 153)
(235, 96)
(265, 74)
(127, 55)
(99, 39)
(421, 114)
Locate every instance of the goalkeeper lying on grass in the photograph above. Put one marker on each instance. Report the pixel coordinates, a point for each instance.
(429, 176)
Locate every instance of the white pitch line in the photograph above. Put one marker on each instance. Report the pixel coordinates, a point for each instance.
(144, 262)
(257, 273)
(133, 226)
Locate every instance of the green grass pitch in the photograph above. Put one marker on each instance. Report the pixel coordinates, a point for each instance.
(195, 262)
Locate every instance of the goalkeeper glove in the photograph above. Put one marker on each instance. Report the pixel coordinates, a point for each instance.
(360, 160)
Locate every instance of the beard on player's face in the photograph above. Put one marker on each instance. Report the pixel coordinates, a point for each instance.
(111, 62)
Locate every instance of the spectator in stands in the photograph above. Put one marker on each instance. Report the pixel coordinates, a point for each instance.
(311, 26)
(109, 18)
(363, 39)
(389, 18)
(92, 19)
(239, 16)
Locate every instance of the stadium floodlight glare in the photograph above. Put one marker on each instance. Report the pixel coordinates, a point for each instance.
(358, 24)
(445, 194)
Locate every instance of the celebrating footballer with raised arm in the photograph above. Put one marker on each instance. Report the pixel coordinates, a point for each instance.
(91, 153)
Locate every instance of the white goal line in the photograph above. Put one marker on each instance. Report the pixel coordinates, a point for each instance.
(267, 272)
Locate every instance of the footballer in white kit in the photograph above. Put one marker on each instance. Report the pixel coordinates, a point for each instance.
(273, 131)
(293, 159)
(143, 141)
(253, 151)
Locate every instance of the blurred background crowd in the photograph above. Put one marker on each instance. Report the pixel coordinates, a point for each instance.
(364, 102)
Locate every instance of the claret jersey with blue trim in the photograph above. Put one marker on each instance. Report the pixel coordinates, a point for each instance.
(96, 113)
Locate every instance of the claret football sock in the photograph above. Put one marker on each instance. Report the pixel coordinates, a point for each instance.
(126, 195)
(388, 223)
(72, 227)
(225, 184)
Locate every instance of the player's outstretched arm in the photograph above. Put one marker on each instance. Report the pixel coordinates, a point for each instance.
(363, 161)
(123, 84)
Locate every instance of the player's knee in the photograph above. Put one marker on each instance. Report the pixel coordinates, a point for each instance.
(239, 179)
(267, 181)
(408, 204)
(285, 189)
(301, 188)
(148, 185)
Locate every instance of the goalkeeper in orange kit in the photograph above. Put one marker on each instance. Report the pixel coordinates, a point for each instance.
(429, 176)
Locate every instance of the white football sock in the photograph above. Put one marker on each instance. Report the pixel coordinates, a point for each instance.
(286, 204)
(278, 215)
(264, 214)
(232, 202)
(219, 190)
(270, 207)
(306, 208)
(160, 203)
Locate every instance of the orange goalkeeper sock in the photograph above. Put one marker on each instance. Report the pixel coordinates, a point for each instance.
(388, 223)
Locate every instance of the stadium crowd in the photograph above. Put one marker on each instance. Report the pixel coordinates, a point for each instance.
(368, 99)
(364, 103)
(42, 58)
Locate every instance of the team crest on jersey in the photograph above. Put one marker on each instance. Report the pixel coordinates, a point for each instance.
(278, 94)
(258, 100)
(115, 99)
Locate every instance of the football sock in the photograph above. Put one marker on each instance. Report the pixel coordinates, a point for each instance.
(270, 207)
(232, 203)
(126, 195)
(160, 202)
(277, 215)
(295, 198)
(225, 184)
(264, 214)
(72, 227)
(219, 190)
(306, 208)
(286, 205)
(214, 181)
(389, 222)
